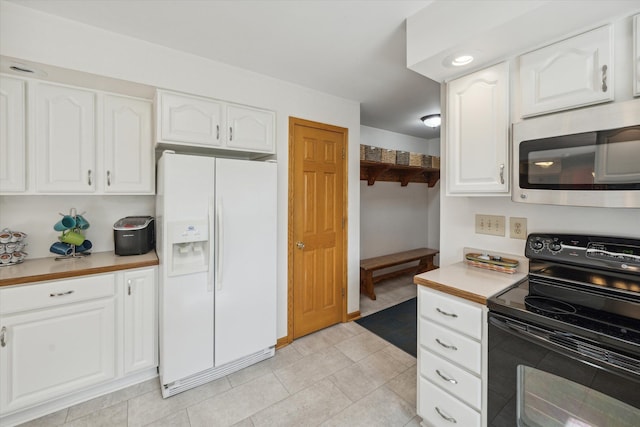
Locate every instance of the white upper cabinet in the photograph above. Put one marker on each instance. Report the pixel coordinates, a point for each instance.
(250, 129)
(128, 151)
(636, 55)
(203, 122)
(12, 135)
(477, 133)
(65, 139)
(79, 141)
(185, 119)
(568, 74)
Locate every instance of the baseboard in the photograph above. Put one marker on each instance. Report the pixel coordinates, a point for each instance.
(283, 342)
(355, 315)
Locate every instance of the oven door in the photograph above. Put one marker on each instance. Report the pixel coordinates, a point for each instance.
(539, 378)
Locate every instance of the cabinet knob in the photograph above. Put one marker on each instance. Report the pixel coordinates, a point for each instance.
(502, 173)
(89, 177)
(109, 178)
(3, 333)
(218, 132)
(230, 134)
(129, 287)
(604, 78)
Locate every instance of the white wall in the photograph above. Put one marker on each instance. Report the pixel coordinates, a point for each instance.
(34, 36)
(458, 213)
(395, 218)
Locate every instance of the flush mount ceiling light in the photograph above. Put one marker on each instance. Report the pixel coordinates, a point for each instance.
(431, 120)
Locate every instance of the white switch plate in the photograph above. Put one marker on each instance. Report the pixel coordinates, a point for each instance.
(517, 228)
(490, 224)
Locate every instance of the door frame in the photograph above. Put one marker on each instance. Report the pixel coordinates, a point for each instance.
(293, 121)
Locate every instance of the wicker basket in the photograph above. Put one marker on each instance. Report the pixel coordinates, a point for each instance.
(415, 159)
(427, 161)
(362, 150)
(372, 154)
(402, 158)
(388, 156)
(436, 162)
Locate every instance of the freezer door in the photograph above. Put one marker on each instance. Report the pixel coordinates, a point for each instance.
(185, 196)
(245, 274)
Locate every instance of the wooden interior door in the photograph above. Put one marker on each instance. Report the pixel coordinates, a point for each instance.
(317, 226)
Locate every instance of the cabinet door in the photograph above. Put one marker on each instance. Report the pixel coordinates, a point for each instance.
(128, 151)
(478, 133)
(65, 139)
(569, 74)
(140, 320)
(250, 129)
(47, 353)
(12, 135)
(189, 119)
(636, 55)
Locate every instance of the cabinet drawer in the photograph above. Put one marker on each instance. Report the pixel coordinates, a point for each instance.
(439, 409)
(448, 376)
(53, 293)
(456, 347)
(457, 314)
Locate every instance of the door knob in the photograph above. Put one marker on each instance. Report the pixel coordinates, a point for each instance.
(300, 245)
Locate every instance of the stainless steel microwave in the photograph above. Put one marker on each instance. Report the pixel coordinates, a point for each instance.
(586, 157)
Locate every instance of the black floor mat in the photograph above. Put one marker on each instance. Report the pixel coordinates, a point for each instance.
(397, 324)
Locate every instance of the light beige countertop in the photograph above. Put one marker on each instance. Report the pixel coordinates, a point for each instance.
(472, 283)
(40, 269)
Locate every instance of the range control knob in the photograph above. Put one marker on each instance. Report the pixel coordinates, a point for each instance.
(555, 246)
(536, 245)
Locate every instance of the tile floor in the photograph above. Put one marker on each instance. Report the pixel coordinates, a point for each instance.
(341, 376)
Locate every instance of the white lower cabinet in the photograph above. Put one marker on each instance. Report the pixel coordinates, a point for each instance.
(72, 338)
(451, 360)
(140, 325)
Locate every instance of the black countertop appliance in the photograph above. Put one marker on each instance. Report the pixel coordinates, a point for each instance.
(134, 235)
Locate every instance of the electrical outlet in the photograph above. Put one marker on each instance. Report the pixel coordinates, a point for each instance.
(490, 224)
(517, 228)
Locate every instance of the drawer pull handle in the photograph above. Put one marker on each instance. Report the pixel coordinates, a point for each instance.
(61, 294)
(444, 313)
(450, 347)
(446, 417)
(451, 380)
(3, 333)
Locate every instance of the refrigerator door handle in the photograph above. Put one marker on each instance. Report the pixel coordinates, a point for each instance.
(219, 244)
(210, 214)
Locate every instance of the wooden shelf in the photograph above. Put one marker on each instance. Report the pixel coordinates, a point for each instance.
(376, 171)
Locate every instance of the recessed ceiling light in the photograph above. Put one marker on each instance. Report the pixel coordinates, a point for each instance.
(461, 60)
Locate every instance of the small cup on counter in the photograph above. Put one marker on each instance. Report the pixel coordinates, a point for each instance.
(10, 248)
(5, 258)
(61, 248)
(17, 256)
(5, 237)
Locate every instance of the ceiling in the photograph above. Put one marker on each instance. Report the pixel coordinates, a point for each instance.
(351, 49)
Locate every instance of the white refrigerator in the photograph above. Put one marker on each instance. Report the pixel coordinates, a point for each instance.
(216, 242)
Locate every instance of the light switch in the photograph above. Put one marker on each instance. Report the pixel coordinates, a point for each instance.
(490, 224)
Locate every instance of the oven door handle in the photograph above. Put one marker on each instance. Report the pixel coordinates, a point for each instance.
(561, 343)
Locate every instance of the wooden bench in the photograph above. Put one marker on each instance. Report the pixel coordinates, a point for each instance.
(369, 265)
